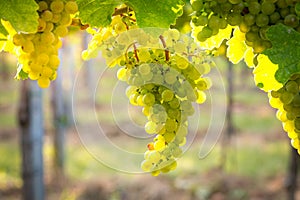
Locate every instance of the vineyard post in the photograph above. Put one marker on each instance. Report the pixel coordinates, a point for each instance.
(292, 173)
(31, 126)
(59, 118)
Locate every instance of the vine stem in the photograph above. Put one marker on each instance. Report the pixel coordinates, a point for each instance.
(77, 22)
(167, 53)
(120, 11)
(135, 51)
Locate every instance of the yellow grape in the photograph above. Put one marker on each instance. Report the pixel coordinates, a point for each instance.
(43, 82)
(71, 7)
(57, 6)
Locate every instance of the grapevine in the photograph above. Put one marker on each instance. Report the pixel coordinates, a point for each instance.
(165, 70)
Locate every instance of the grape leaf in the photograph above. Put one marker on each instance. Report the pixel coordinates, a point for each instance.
(156, 13)
(149, 13)
(285, 51)
(20, 13)
(3, 31)
(97, 13)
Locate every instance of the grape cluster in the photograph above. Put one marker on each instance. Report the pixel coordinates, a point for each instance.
(287, 101)
(38, 52)
(105, 35)
(253, 17)
(164, 71)
(164, 83)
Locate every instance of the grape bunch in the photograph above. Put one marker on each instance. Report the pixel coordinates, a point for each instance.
(104, 36)
(287, 101)
(38, 52)
(253, 17)
(164, 82)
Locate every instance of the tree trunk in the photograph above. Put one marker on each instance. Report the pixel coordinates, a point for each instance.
(31, 125)
(291, 178)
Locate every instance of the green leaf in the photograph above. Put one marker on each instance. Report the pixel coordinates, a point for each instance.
(285, 51)
(149, 13)
(3, 31)
(156, 13)
(97, 13)
(20, 73)
(22, 14)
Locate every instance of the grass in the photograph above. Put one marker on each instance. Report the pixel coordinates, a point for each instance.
(9, 165)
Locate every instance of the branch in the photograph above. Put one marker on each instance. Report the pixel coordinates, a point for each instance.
(121, 11)
(167, 53)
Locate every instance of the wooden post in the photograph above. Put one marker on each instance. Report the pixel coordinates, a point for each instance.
(59, 119)
(31, 125)
(291, 178)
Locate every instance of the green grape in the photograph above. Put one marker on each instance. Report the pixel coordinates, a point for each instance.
(254, 7)
(180, 47)
(65, 19)
(144, 55)
(171, 125)
(205, 33)
(149, 99)
(56, 18)
(292, 87)
(297, 123)
(146, 165)
(201, 21)
(249, 19)
(144, 69)
(154, 156)
(281, 4)
(170, 78)
(234, 19)
(296, 100)
(57, 6)
(197, 5)
(235, 1)
(150, 127)
(291, 20)
(284, 12)
(213, 22)
(167, 95)
(251, 36)
(267, 8)
(61, 31)
(43, 6)
(262, 20)
(274, 17)
(71, 7)
(47, 15)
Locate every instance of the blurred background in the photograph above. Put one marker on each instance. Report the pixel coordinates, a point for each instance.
(249, 161)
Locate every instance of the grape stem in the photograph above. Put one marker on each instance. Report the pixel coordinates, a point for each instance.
(77, 22)
(121, 11)
(135, 51)
(167, 53)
